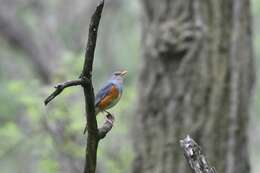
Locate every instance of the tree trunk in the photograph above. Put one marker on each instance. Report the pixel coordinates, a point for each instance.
(197, 78)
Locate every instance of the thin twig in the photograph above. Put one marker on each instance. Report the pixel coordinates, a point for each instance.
(194, 156)
(60, 87)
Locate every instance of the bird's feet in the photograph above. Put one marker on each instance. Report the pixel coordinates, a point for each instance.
(109, 118)
(86, 128)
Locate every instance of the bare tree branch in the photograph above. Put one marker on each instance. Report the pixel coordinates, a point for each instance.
(93, 139)
(194, 156)
(85, 80)
(91, 44)
(60, 87)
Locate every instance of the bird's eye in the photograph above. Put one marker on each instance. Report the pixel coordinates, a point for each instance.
(117, 73)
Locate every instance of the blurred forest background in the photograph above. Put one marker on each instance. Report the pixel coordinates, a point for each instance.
(42, 43)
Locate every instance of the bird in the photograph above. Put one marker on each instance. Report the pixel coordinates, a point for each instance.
(109, 95)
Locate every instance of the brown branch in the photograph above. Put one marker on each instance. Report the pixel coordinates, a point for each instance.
(91, 44)
(194, 156)
(60, 87)
(93, 138)
(85, 80)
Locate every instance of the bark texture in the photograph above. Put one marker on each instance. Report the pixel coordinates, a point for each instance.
(197, 78)
(194, 156)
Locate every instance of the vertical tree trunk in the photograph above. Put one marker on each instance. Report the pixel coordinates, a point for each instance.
(197, 78)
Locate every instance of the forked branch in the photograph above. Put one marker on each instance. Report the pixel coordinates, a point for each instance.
(95, 134)
(93, 138)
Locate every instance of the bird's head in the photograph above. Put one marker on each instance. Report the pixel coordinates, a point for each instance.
(118, 76)
(120, 73)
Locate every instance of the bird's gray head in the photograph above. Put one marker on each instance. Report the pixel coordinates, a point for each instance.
(118, 76)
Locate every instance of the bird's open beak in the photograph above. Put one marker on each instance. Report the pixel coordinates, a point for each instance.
(123, 73)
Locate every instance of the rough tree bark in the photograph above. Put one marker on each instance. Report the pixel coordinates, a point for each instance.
(197, 78)
(194, 156)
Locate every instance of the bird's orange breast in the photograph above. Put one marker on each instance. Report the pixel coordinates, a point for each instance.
(109, 98)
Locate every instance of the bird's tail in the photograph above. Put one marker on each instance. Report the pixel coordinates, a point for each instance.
(97, 110)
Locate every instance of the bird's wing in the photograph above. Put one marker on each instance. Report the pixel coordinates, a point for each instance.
(103, 92)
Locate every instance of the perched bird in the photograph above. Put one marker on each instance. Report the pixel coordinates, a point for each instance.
(110, 93)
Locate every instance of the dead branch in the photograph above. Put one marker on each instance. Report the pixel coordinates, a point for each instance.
(194, 156)
(95, 134)
(60, 87)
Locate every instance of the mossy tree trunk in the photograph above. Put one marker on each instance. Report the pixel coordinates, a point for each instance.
(197, 78)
